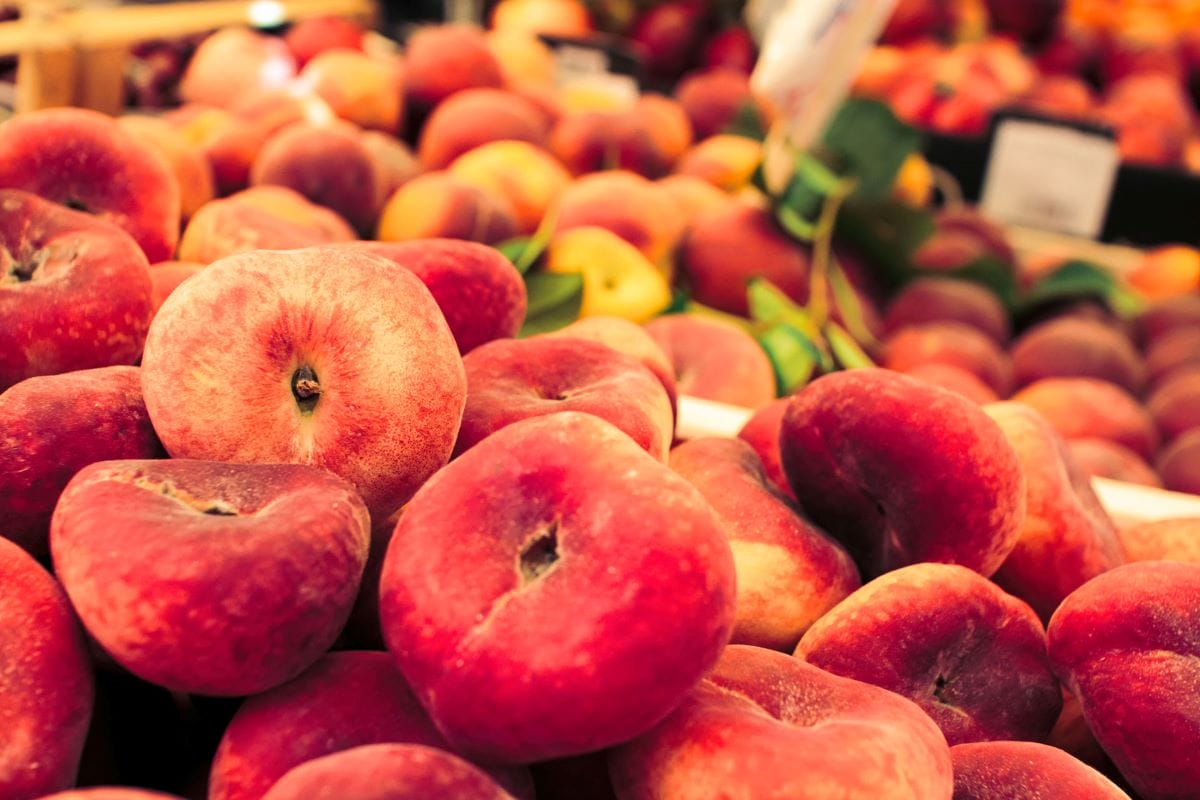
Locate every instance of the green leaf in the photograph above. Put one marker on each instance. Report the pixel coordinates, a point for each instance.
(994, 274)
(700, 310)
(680, 298)
(792, 354)
(770, 306)
(872, 142)
(886, 233)
(748, 122)
(849, 305)
(554, 301)
(1081, 279)
(847, 352)
(536, 245)
(512, 249)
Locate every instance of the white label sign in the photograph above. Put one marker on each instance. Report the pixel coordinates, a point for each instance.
(1050, 176)
(809, 58)
(587, 69)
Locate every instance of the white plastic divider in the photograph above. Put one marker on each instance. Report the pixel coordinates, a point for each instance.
(1127, 503)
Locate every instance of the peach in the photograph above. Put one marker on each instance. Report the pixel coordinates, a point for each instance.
(621, 599)
(1012, 770)
(901, 472)
(961, 236)
(733, 243)
(141, 549)
(475, 117)
(165, 276)
(75, 291)
(763, 724)
(1088, 408)
(952, 343)
(948, 300)
(260, 62)
(558, 17)
(441, 205)
(46, 687)
(395, 164)
(1104, 459)
(510, 380)
(761, 432)
(1077, 348)
(525, 62)
(478, 290)
(971, 656)
(618, 280)
(519, 175)
(1167, 272)
(665, 37)
(84, 160)
(1063, 96)
(726, 161)
(692, 195)
(191, 168)
(308, 38)
(1175, 404)
(713, 99)
(600, 139)
(386, 772)
(956, 379)
(326, 357)
(1176, 539)
(1179, 464)
(1172, 352)
(1125, 643)
(1067, 538)
(365, 90)
(56, 425)
(668, 124)
(628, 338)
(634, 208)
(228, 141)
(1163, 316)
(715, 360)
(110, 793)
(789, 572)
(327, 164)
(345, 700)
(443, 59)
(262, 218)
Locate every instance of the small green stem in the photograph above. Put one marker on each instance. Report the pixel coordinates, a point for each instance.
(818, 286)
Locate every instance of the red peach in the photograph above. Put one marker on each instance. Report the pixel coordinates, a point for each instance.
(75, 291)
(621, 600)
(1077, 348)
(901, 472)
(475, 117)
(84, 160)
(395, 164)
(1179, 464)
(1125, 643)
(715, 360)
(517, 175)
(632, 207)
(165, 276)
(1175, 404)
(971, 656)
(628, 338)
(597, 141)
(328, 357)
(46, 686)
(443, 59)
(1105, 459)
(725, 160)
(56, 425)
(509, 380)
(668, 124)
(441, 205)
(310, 37)
(713, 98)
(764, 724)
(191, 168)
(365, 90)
(142, 549)
(789, 572)
(110, 793)
(346, 699)
(950, 343)
(761, 432)
(955, 379)
(478, 290)
(948, 300)
(1167, 315)
(1089, 408)
(261, 62)
(1173, 351)
(1067, 538)
(559, 17)
(1012, 770)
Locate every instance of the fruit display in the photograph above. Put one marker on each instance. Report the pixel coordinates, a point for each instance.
(342, 451)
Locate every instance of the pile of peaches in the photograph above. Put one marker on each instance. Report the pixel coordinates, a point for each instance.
(1133, 66)
(296, 502)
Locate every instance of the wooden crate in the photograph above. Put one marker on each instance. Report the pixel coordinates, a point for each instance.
(74, 55)
(1126, 503)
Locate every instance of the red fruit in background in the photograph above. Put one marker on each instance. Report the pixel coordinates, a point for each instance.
(84, 160)
(1003, 770)
(713, 98)
(1064, 96)
(731, 48)
(309, 37)
(46, 684)
(258, 61)
(443, 59)
(1142, 43)
(1031, 20)
(583, 589)
(56, 425)
(667, 35)
(75, 291)
(143, 549)
(916, 19)
(1072, 49)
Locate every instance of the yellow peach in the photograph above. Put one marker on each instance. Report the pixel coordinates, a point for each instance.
(618, 281)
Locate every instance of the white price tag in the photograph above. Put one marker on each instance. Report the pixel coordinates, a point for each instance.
(810, 55)
(589, 69)
(1050, 176)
